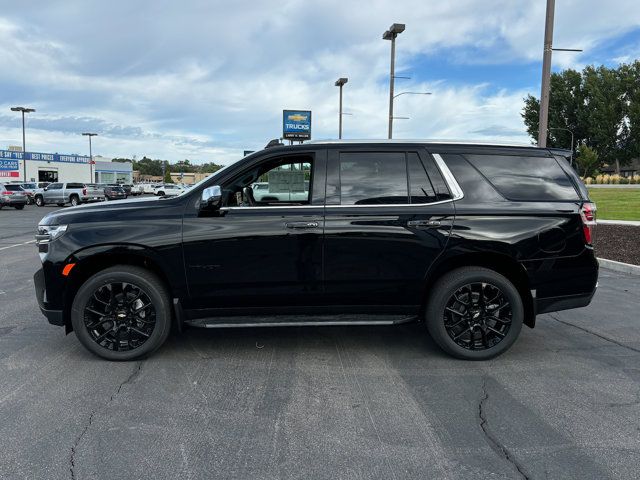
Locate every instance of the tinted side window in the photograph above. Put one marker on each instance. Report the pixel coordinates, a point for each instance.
(420, 188)
(523, 178)
(566, 166)
(373, 178)
(55, 186)
(75, 185)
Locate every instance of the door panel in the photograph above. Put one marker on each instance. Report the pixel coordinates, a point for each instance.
(380, 254)
(258, 254)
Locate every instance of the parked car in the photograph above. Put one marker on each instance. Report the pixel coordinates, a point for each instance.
(29, 190)
(95, 192)
(62, 193)
(168, 190)
(472, 241)
(112, 192)
(127, 187)
(43, 184)
(12, 195)
(148, 187)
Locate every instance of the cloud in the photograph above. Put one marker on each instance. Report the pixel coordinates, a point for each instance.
(207, 79)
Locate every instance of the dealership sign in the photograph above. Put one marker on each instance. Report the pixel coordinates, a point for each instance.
(9, 168)
(296, 124)
(9, 155)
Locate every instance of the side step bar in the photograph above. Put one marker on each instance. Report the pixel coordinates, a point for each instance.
(299, 321)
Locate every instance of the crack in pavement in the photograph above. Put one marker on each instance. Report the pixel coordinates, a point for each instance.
(76, 443)
(491, 439)
(586, 330)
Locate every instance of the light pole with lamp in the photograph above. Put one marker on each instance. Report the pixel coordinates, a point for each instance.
(87, 134)
(24, 147)
(340, 83)
(391, 34)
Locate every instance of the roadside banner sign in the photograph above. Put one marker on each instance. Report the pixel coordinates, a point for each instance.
(296, 124)
(48, 157)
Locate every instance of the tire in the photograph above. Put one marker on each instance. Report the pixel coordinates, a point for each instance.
(160, 194)
(29, 201)
(459, 291)
(60, 204)
(75, 200)
(39, 201)
(18, 207)
(98, 289)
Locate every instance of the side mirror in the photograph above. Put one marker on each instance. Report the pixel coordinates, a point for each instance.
(211, 198)
(46, 188)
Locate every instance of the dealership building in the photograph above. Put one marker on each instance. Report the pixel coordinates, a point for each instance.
(56, 167)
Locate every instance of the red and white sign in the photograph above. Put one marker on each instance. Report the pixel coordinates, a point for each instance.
(8, 173)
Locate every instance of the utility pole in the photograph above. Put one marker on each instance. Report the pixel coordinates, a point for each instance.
(543, 122)
(24, 145)
(391, 34)
(87, 134)
(340, 83)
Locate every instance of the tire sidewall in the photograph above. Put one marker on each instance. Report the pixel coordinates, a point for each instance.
(139, 277)
(39, 201)
(441, 295)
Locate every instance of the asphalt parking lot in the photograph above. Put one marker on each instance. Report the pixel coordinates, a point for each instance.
(316, 403)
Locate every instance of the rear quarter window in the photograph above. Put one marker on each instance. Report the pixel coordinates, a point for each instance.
(75, 185)
(525, 178)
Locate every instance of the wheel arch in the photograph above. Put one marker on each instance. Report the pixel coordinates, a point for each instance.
(88, 263)
(503, 264)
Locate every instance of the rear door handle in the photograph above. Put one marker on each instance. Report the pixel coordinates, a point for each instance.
(301, 225)
(424, 223)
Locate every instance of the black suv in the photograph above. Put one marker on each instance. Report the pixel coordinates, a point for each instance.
(471, 240)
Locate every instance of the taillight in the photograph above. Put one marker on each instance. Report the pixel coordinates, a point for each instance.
(7, 192)
(588, 215)
(84, 191)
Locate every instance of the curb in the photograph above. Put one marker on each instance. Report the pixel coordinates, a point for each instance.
(619, 266)
(633, 223)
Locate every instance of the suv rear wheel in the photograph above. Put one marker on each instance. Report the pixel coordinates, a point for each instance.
(122, 313)
(474, 313)
(39, 201)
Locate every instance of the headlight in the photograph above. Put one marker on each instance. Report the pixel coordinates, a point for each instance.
(48, 233)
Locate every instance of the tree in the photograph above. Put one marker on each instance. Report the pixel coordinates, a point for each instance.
(600, 105)
(167, 174)
(587, 161)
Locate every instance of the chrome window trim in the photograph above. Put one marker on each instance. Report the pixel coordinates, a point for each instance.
(449, 179)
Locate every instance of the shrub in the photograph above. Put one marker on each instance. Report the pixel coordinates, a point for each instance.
(624, 180)
(588, 181)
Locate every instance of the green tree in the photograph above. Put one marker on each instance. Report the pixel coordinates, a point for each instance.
(167, 173)
(587, 161)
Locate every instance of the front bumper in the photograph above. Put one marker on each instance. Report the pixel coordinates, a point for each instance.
(55, 317)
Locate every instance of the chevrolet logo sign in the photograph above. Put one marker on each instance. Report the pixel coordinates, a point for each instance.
(297, 117)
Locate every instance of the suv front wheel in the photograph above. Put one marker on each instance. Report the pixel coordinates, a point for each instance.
(474, 313)
(122, 313)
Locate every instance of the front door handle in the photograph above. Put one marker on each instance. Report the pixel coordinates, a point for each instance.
(423, 223)
(301, 225)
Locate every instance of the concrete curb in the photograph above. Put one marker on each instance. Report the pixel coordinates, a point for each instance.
(633, 223)
(614, 185)
(619, 266)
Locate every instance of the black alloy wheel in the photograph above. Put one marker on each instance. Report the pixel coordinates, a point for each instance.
(474, 313)
(39, 201)
(120, 316)
(477, 316)
(122, 313)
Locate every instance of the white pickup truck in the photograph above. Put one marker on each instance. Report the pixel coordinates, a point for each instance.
(62, 193)
(261, 193)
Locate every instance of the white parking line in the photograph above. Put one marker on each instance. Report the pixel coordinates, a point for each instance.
(17, 245)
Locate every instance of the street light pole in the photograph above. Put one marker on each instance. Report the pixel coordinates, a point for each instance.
(24, 145)
(87, 134)
(340, 83)
(391, 34)
(546, 74)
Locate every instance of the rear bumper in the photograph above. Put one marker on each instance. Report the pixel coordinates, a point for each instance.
(10, 202)
(54, 317)
(555, 304)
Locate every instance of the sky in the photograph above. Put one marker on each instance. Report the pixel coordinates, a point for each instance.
(204, 80)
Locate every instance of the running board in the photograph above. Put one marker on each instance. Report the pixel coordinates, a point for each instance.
(296, 321)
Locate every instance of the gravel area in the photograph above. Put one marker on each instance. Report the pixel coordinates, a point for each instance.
(618, 242)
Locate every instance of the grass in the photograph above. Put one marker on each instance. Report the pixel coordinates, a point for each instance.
(616, 203)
